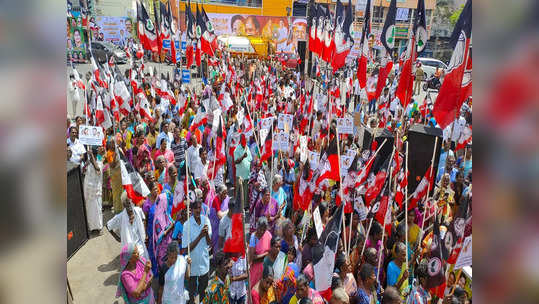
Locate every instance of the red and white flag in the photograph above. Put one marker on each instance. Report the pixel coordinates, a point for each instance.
(421, 190)
(132, 182)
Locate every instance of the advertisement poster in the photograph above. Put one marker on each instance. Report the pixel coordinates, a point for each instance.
(276, 29)
(76, 42)
(117, 30)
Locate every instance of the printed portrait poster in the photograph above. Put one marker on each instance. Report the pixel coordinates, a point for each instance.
(76, 42)
(345, 125)
(266, 123)
(116, 30)
(90, 135)
(314, 159)
(277, 29)
(285, 120)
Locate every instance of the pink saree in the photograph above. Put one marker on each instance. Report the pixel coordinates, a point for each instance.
(262, 245)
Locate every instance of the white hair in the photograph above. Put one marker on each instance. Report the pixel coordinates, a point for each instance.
(340, 294)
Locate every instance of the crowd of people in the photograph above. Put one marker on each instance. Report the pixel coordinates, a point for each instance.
(202, 152)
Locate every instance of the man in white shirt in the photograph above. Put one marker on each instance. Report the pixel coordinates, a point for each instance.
(193, 156)
(77, 149)
(129, 223)
(394, 106)
(371, 89)
(282, 36)
(197, 233)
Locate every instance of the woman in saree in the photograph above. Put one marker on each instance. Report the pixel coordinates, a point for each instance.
(149, 210)
(259, 246)
(263, 292)
(143, 158)
(135, 277)
(162, 229)
(269, 208)
(218, 209)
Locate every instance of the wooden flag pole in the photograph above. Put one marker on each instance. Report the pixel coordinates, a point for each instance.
(340, 187)
(428, 187)
(188, 205)
(406, 204)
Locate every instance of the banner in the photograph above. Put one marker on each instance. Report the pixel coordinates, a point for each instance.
(76, 41)
(117, 30)
(284, 121)
(284, 35)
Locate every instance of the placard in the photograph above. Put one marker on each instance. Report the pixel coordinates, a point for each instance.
(318, 222)
(346, 161)
(357, 119)
(345, 125)
(284, 141)
(314, 159)
(263, 134)
(266, 123)
(91, 135)
(352, 153)
(360, 208)
(285, 120)
(465, 255)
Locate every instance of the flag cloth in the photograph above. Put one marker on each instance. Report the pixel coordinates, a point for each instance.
(267, 146)
(455, 86)
(399, 194)
(208, 40)
(235, 243)
(375, 187)
(421, 190)
(146, 29)
(388, 40)
(325, 250)
(343, 39)
(304, 190)
(332, 169)
(435, 266)
(132, 182)
(312, 22)
(364, 47)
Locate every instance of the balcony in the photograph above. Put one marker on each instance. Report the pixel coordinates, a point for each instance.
(244, 3)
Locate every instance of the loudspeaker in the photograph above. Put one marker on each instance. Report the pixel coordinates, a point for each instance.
(385, 151)
(77, 229)
(302, 53)
(421, 141)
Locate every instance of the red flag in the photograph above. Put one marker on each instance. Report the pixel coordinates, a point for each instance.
(332, 168)
(303, 192)
(422, 188)
(99, 114)
(235, 242)
(387, 65)
(399, 195)
(456, 87)
(132, 182)
(197, 54)
(375, 188)
(406, 81)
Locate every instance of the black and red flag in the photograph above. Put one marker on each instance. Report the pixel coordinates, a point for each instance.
(146, 29)
(435, 266)
(190, 32)
(388, 40)
(343, 38)
(456, 86)
(208, 40)
(332, 167)
(132, 182)
(364, 47)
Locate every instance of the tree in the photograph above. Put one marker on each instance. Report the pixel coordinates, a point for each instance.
(455, 16)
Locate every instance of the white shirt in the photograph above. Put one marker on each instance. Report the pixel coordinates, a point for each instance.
(395, 105)
(130, 233)
(77, 150)
(357, 89)
(460, 124)
(200, 255)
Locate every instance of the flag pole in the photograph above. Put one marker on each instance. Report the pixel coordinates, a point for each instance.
(406, 204)
(384, 226)
(428, 186)
(188, 206)
(340, 186)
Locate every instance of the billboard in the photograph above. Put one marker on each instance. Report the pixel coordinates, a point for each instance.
(277, 29)
(117, 30)
(75, 38)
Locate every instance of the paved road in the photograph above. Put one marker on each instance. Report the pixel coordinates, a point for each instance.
(84, 68)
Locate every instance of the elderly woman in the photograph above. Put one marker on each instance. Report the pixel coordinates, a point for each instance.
(135, 278)
(444, 195)
(162, 227)
(290, 241)
(268, 207)
(278, 193)
(344, 273)
(304, 291)
(259, 246)
(366, 291)
(172, 275)
(161, 169)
